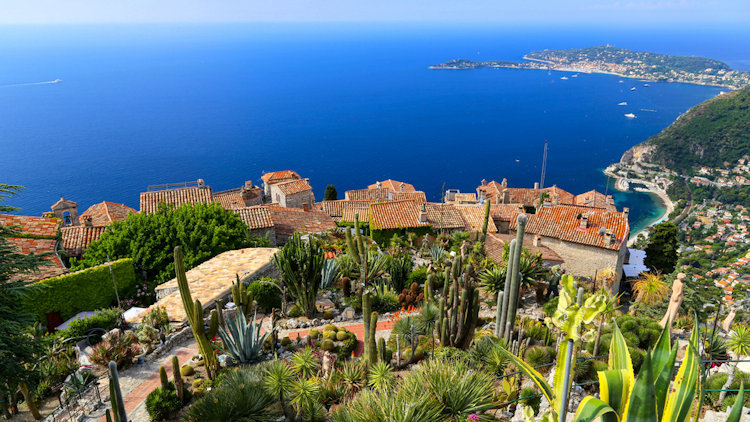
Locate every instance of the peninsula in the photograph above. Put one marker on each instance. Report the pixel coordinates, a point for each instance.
(622, 62)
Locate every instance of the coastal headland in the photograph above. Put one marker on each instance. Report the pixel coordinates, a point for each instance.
(623, 63)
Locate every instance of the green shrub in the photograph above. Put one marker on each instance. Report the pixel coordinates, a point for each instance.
(534, 400)
(267, 295)
(715, 382)
(631, 339)
(600, 365)
(385, 302)
(86, 290)
(162, 403)
(157, 317)
(540, 355)
(241, 396)
(105, 319)
(636, 356)
(451, 353)
(295, 312)
(418, 276)
(629, 326)
(118, 347)
(550, 307)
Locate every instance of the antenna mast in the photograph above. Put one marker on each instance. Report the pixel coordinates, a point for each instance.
(544, 166)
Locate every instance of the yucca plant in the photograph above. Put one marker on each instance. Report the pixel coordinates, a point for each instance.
(381, 376)
(277, 381)
(304, 363)
(738, 343)
(352, 377)
(492, 279)
(301, 265)
(650, 289)
(306, 400)
(241, 339)
(388, 405)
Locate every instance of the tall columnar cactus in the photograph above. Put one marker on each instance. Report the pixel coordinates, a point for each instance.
(383, 354)
(366, 315)
(486, 221)
(372, 357)
(503, 298)
(242, 297)
(115, 395)
(428, 285)
(516, 278)
(194, 313)
(460, 312)
(163, 378)
(178, 384)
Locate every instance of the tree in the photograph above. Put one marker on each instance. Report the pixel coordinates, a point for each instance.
(18, 350)
(661, 252)
(203, 231)
(331, 194)
(738, 343)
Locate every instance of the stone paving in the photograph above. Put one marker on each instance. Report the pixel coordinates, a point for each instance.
(213, 279)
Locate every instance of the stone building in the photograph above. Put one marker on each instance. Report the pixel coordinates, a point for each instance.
(274, 177)
(36, 236)
(246, 196)
(292, 193)
(175, 194)
(258, 220)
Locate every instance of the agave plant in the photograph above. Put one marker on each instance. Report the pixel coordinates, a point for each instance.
(242, 339)
(330, 272)
(436, 253)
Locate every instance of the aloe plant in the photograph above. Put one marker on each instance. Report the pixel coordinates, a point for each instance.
(241, 338)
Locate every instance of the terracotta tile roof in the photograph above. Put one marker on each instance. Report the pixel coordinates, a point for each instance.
(378, 195)
(473, 216)
(291, 187)
(595, 199)
(393, 186)
(395, 215)
(495, 246)
(257, 217)
(562, 195)
(417, 196)
(76, 239)
(562, 222)
(230, 199)
(279, 176)
(525, 196)
(352, 208)
(105, 213)
(506, 212)
(45, 229)
(191, 195)
(466, 197)
(444, 216)
(290, 220)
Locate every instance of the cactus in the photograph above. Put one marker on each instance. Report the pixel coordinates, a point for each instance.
(178, 384)
(412, 354)
(516, 278)
(108, 415)
(194, 313)
(428, 288)
(115, 394)
(242, 297)
(163, 377)
(366, 315)
(383, 351)
(346, 286)
(486, 221)
(372, 348)
(501, 322)
(460, 312)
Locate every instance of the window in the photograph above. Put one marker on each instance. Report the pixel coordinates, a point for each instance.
(66, 219)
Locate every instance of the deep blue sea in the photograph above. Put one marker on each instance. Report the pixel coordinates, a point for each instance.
(342, 104)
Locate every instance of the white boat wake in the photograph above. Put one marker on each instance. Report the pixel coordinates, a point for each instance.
(32, 83)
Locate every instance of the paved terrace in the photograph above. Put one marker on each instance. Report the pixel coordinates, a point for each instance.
(213, 279)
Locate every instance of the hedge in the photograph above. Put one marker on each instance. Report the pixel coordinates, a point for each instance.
(86, 290)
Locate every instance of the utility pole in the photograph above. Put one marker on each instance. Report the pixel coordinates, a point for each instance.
(544, 166)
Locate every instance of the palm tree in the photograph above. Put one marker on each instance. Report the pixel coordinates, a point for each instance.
(650, 289)
(738, 343)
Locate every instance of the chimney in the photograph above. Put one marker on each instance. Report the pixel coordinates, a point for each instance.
(538, 240)
(609, 238)
(307, 179)
(610, 200)
(504, 183)
(484, 182)
(87, 221)
(625, 212)
(201, 183)
(584, 223)
(423, 214)
(378, 185)
(506, 196)
(401, 186)
(536, 185)
(305, 206)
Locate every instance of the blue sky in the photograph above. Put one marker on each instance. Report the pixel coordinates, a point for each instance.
(501, 11)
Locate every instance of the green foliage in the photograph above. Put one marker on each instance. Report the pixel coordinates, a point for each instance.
(304, 363)
(381, 376)
(330, 193)
(550, 307)
(157, 317)
(242, 339)
(267, 296)
(661, 252)
(399, 268)
(492, 279)
(105, 319)
(117, 347)
(418, 276)
(163, 402)
(203, 231)
(85, 290)
(241, 396)
(534, 398)
(709, 134)
(301, 265)
(540, 355)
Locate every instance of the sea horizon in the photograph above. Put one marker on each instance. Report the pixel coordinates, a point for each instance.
(138, 105)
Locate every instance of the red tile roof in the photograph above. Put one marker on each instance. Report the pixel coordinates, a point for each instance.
(44, 231)
(279, 176)
(525, 196)
(495, 246)
(77, 239)
(291, 187)
(290, 220)
(395, 215)
(352, 208)
(473, 216)
(230, 199)
(506, 212)
(393, 186)
(562, 222)
(466, 197)
(378, 195)
(35, 226)
(190, 195)
(444, 216)
(417, 196)
(595, 199)
(257, 217)
(105, 213)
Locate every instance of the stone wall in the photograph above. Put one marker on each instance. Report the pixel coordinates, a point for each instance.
(269, 233)
(585, 261)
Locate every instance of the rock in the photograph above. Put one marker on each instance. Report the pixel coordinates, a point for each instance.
(292, 324)
(315, 322)
(348, 313)
(324, 304)
(519, 416)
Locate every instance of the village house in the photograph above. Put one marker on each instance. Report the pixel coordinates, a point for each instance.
(36, 236)
(258, 220)
(495, 247)
(246, 196)
(292, 193)
(287, 221)
(175, 194)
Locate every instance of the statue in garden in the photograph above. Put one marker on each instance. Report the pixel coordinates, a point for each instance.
(675, 301)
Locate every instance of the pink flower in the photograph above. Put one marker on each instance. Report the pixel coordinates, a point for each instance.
(473, 418)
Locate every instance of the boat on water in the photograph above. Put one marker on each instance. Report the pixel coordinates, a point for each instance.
(630, 116)
(624, 103)
(565, 78)
(646, 85)
(632, 89)
(620, 81)
(575, 76)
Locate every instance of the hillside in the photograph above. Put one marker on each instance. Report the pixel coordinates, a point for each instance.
(709, 134)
